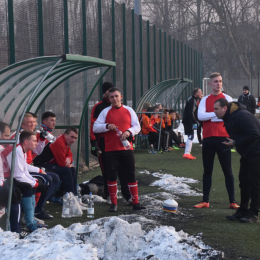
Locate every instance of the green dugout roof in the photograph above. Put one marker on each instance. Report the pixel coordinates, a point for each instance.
(163, 91)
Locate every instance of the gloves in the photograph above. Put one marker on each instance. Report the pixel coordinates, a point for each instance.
(42, 188)
(43, 134)
(95, 149)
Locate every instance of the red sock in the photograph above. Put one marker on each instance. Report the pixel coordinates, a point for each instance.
(37, 197)
(133, 189)
(112, 189)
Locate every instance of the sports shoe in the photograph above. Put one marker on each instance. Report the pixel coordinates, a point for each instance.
(202, 204)
(161, 151)
(138, 206)
(23, 234)
(250, 218)
(113, 208)
(233, 150)
(43, 215)
(171, 148)
(32, 227)
(188, 156)
(233, 205)
(182, 145)
(175, 147)
(57, 200)
(237, 215)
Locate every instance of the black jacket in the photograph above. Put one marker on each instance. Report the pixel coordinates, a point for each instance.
(248, 101)
(189, 117)
(244, 128)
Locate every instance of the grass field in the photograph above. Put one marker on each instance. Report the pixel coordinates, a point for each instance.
(235, 239)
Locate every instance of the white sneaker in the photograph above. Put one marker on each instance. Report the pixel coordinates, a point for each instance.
(2, 211)
(40, 221)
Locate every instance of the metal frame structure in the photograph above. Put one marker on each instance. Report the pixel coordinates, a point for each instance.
(25, 85)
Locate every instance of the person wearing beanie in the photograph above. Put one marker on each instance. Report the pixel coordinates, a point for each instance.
(248, 100)
(98, 143)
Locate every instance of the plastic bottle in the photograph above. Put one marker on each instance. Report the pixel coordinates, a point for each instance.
(90, 206)
(66, 206)
(79, 193)
(125, 142)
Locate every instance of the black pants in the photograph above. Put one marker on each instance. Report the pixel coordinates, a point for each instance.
(123, 160)
(176, 139)
(103, 165)
(4, 193)
(153, 139)
(211, 146)
(249, 182)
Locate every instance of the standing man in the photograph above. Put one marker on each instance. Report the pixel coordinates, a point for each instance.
(244, 131)
(111, 120)
(248, 100)
(214, 134)
(189, 121)
(98, 143)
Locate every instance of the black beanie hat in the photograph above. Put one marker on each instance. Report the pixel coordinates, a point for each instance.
(106, 86)
(246, 87)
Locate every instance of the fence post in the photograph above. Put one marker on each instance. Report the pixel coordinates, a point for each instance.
(85, 82)
(182, 75)
(154, 53)
(178, 60)
(133, 58)
(148, 55)
(160, 48)
(66, 47)
(11, 31)
(100, 42)
(170, 55)
(40, 28)
(113, 40)
(174, 58)
(124, 56)
(141, 54)
(165, 56)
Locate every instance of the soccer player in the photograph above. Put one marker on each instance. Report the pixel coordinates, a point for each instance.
(112, 119)
(214, 134)
(189, 121)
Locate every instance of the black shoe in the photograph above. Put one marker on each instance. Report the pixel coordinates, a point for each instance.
(113, 208)
(138, 206)
(237, 215)
(250, 218)
(43, 215)
(23, 233)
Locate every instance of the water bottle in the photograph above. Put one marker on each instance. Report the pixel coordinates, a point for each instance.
(125, 142)
(90, 206)
(79, 193)
(66, 206)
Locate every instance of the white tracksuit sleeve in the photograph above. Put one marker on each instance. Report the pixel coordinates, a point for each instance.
(32, 168)
(40, 146)
(202, 114)
(100, 124)
(20, 171)
(135, 126)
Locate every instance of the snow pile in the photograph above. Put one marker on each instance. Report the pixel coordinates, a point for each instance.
(176, 185)
(108, 238)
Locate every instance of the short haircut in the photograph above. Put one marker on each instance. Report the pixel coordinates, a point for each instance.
(194, 91)
(150, 109)
(71, 129)
(214, 75)
(222, 102)
(34, 115)
(156, 106)
(26, 135)
(27, 114)
(113, 90)
(47, 114)
(172, 111)
(3, 125)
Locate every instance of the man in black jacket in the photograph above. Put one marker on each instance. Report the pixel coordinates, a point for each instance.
(248, 100)
(189, 121)
(244, 131)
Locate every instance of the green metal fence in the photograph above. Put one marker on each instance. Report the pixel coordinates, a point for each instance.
(144, 54)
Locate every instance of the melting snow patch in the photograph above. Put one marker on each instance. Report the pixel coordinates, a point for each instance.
(177, 185)
(109, 239)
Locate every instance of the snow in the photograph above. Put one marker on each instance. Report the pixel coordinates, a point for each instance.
(110, 238)
(176, 185)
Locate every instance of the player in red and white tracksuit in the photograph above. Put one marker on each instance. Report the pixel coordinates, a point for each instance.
(122, 118)
(214, 134)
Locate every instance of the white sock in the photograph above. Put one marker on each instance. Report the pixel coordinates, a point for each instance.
(188, 146)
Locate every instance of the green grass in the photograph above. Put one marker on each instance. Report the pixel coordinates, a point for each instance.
(235, 239)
